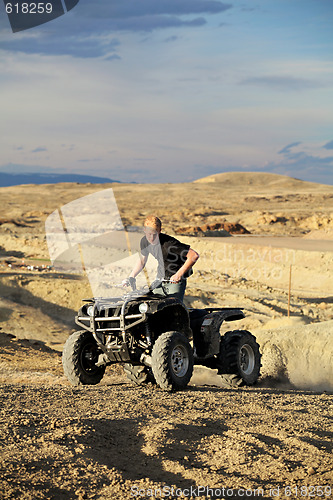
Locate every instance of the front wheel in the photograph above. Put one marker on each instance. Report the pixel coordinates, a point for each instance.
(172, 361)
(79, 358)
(139, 374)
(239, 359)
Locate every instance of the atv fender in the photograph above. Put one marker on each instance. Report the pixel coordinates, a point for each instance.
(206, 334)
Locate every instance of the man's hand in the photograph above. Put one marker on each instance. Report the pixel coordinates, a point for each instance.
(129, 282)
(175, 278)
(191, 258)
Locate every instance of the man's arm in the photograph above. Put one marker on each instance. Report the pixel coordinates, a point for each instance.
(191, 258)
(138, 266)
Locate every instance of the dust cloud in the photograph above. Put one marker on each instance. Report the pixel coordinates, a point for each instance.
(292, 356)
(300, 355)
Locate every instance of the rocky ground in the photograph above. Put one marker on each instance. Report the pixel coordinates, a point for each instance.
(115, 440)
(119, 441)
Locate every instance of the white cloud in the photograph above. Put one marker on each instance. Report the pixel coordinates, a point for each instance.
(171, 105)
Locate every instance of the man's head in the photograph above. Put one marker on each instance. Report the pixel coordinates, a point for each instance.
(152, 228)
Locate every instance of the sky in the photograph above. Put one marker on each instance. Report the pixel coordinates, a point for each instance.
(170, 90)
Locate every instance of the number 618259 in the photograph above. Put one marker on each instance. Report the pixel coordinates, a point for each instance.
(29, 8)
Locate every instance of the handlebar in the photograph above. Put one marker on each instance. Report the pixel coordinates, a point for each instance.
(132, 283)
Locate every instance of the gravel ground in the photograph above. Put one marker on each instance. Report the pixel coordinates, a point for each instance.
(115, 440)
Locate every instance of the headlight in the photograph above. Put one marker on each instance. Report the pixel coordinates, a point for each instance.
(90, 310)
(143, 308)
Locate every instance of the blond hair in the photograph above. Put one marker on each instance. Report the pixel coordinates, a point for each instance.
(154, 222)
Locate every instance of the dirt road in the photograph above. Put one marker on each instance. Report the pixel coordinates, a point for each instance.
(115, 440)
(293, 242)
(110, 441)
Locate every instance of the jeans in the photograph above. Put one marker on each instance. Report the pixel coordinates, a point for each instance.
(172, 289)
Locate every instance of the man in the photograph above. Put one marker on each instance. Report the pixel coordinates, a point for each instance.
(175, 259)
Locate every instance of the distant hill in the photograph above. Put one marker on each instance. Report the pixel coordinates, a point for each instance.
(40, 178)
(255, 180)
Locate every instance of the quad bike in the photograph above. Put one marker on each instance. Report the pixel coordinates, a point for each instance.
(158, 340)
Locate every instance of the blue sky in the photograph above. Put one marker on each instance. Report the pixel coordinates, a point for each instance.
(171, 90)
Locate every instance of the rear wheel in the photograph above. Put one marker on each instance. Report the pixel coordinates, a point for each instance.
(139, 374)
(79, 358)
(172, 361)
(239, 359)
